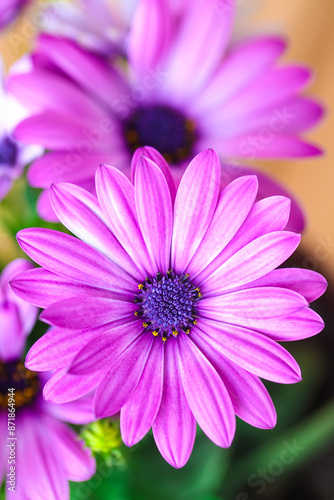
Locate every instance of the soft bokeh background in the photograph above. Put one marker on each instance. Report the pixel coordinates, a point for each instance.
(256, 466)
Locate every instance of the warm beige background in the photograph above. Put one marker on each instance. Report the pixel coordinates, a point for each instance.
(308, 24)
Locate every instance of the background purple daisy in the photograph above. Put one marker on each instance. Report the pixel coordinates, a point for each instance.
(43, 450)
(172, 310)
(179, 94)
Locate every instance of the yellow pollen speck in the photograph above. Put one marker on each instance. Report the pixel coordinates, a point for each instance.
(175, 332)
(197, 289)
(164, 339)
(145, 325)
(155, 333)
(199, 294)
(140, 286)
(187, 331)
(136, 313)
(187, 275)
(195, 322)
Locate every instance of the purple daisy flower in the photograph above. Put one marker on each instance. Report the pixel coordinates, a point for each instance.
(185, 89)
(39, 452)
(10, 9)
(170, 309)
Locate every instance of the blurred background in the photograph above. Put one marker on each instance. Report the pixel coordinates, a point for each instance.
(296, 459)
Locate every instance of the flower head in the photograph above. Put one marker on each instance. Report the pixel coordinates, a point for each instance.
(44, 452)
(171, 309)
(179, 93)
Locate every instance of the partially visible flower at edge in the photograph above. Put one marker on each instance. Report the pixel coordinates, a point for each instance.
(171, 310)
(178, 93)
(38, 450)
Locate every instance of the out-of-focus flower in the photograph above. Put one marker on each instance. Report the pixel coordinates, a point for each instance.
(185, 89)
(100, 25)
(10, 9)
(39, 452)
(170, 309)
(13, 154)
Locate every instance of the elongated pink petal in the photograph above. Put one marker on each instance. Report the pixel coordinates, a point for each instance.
(203, 36)
(149, 36)
(75, 412)
(77, 63)
(267, 215)
(308, 283)
(234, 204)
(63, 387)
(154, 209)
(37, 458)
(86, 312)
(206, 394)
(75, 457)
(253, 261)
(56, 349)
(256, 303)
(106, 348)
(195, 204)
(154, 155)
(40, 90)
(251, 350)
(122, 378)
(80, 212)
(138, 414)
(300, 325)
(175, 442)
(72, 259)
(250, 399)
(12, 338)
(255, 53)
(42, 288)
(117, 200)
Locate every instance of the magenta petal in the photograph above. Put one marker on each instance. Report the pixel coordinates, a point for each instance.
(175, 442)
(139, 412)
(206, 394)
(42, 288)
(250, 399)
(105, 349)
(75, 412)
(154, 155)
(267, 215)
(300, 325)
(80, 212)
(71, 258)
(56, 349)
(86, 312)
(149, 36)
(257, 303)
(234, 204)
(251, 350)
(117, 200)
(195, 205)
(123, 377)
(63, 387)
(12, 338)
(39, 467)
(74, 456)
(253, 261)
(154, 209)
(308, 283)
(203, 36)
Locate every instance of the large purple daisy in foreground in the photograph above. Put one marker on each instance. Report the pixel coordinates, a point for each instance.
(39, 452)
(171, 309)
(183, 89)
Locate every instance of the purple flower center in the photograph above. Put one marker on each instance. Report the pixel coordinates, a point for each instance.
(8, 151)
(168, 304)
(163, 128)
(14, 375)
